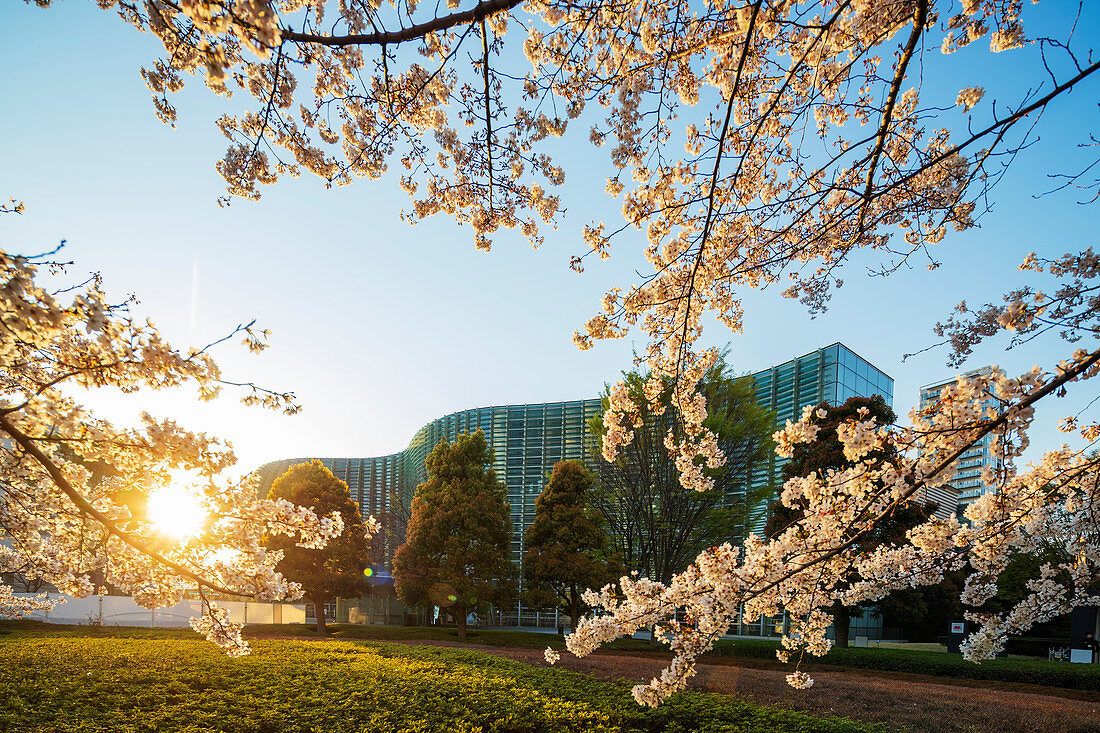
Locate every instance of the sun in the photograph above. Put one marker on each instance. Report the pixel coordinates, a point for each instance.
(177, 511)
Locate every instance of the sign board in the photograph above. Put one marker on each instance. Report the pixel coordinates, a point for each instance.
(957, 627)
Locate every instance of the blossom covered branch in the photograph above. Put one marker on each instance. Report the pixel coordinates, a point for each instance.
(735, 131)
(76, 491)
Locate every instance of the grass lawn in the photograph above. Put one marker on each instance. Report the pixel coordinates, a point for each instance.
(760, 652)
(904, 659)
(149, 680)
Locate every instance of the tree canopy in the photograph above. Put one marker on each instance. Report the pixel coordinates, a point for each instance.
(825, 453)
(655, 526)
(826, 450)
(458, 546)
(566, 545)
(336, 569)
(755, 142)
(85, 504)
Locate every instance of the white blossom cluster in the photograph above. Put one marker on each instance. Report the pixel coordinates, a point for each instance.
(707, 112)
(75, 490)
(13, 606)
(816, 562)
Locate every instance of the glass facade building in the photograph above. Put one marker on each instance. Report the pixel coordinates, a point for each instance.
(966, 476)
(830, 374)
(527, 440)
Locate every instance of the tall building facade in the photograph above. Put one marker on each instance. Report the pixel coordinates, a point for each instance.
(966, 472)
(830, 374)
(527, 440)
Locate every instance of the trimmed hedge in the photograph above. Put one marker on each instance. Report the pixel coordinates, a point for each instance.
(939, 664)
(507, 639)
(72, 685)
(1027, 646)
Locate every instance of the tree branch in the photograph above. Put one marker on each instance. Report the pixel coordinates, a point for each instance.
(713, 188)
(475, 14)
(27, 444)
(1067, 376)
(488, 113)
(891, 100)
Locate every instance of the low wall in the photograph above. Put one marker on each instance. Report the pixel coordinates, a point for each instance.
(122, 611)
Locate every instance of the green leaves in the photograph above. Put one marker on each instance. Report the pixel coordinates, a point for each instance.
(656, 525)
(337, 569)
(567, 544)
(458, 544)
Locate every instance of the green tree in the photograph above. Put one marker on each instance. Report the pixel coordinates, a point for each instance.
(337, 569)
(1012, 585)
(655, 525)
(458, 542)
(923, 614)
(567, 549)
(827, 452)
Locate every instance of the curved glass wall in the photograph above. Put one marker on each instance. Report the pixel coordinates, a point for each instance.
(527, 440)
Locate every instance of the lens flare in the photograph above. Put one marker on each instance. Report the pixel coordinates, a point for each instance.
(176, 511)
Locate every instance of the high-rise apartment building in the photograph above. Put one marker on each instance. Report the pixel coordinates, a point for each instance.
(966, 472)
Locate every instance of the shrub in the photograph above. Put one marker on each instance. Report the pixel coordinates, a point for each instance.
(939, 664)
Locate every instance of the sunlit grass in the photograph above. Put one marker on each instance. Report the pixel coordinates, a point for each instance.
(80, 685)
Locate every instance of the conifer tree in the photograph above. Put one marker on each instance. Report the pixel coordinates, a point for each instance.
(337, 569)
(456, 551)
(567, 543)
(827, 453)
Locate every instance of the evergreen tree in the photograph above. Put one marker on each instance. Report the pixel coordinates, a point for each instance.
(457, 546)
(337, 569)
(567, 543)
(825, 453)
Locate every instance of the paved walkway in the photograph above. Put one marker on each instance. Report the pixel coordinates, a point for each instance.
(916, 702)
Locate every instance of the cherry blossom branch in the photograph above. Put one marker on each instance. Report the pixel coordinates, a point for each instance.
(891, 100)
(83, 505)
(708, 221)
(996, 125)
(1067, 376)
(488, 113)
(414, 32)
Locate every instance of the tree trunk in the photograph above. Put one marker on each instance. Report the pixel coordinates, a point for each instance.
(319, 612)
(574, 609)
(460, 620)
(842, 623)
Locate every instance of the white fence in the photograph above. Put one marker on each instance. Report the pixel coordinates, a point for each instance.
(122, 611)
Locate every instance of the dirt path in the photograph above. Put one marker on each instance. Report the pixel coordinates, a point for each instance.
(916, 702)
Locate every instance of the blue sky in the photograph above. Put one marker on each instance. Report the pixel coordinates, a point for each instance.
(380, 327)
